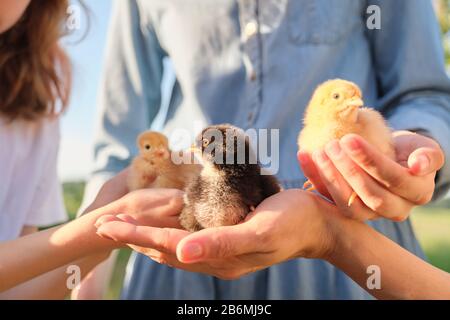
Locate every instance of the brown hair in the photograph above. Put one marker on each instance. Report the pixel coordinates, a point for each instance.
(34, 70)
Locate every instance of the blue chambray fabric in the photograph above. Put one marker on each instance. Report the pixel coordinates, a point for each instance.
(255, 64)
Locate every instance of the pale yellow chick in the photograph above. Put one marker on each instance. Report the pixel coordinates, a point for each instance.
(154, 168)
(336, 109)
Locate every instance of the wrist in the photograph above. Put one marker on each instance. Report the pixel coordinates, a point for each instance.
(346, 238)
(104, 207)
(332, 223)
(324, 221)
(81, 234)
(101, 244)
(335, 227)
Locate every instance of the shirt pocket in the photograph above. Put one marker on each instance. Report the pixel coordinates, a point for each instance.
(322, 21)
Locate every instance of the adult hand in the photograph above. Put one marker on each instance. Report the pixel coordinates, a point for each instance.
(290, 224)
(385, 187)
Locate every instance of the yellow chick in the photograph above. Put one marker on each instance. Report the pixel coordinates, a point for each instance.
(154, 168)
(336, 109)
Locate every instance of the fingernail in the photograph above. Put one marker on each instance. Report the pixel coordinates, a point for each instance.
(333, 148)
(191, 251)
(320, 157)
(352, 143)
(102, 220)
(125, 218)
(105, 236)
(424, 162)
(97, 224)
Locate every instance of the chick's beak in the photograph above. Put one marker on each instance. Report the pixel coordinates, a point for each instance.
(162, 153)
(355, 102)
(197, 153)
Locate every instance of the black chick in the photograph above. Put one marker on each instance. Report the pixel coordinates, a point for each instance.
(230, 184)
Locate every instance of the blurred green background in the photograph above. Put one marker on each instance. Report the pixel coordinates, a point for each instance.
(431, 223)
(442, 8)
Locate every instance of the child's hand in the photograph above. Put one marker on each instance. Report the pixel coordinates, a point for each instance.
(113, 189)
(385, 188)
(149, 207)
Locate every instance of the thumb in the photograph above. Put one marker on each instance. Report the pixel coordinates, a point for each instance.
(218, 243)
(424, 161)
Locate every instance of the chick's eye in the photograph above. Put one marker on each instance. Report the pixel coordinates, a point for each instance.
(205, 142)
(336, 96)
(147, 147)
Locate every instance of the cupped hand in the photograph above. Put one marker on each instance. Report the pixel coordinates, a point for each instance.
(155, 207)
(385, 187)
(113, 189)
(287, 225)
(149, 207)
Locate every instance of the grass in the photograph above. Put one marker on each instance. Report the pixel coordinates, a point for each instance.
(73, 195)
(431, 223)
(432, 226)
(118, 274)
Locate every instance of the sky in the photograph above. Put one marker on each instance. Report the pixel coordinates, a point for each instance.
(78, 123)
(77, 127)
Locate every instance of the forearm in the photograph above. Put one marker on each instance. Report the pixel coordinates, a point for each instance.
(54, 284)
(95, 284)
(403, 275)
(35, 254)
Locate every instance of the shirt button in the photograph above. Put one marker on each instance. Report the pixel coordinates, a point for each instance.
(251, 28)
(250, 117)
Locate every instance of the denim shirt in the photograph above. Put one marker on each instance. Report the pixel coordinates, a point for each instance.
(255, 64)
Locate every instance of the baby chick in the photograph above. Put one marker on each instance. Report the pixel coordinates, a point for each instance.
(154, 168)
(230, 184)
(336, 109)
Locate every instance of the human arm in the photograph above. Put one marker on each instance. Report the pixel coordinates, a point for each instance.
(402, 274)
(52, 285)
(50, 249)
(58, 246)
(95, 284)
(278, 231)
